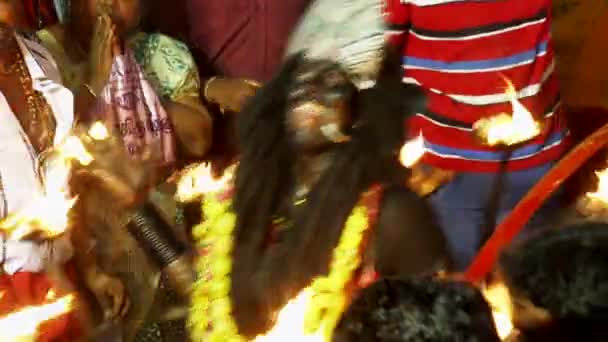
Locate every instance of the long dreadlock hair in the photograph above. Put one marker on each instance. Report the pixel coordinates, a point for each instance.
(264, 279)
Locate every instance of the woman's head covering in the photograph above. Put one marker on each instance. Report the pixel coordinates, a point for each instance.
(350, 32)
(418, 309)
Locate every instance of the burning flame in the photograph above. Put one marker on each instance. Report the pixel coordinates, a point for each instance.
(22, 325)
(412, 151)
(98, 131)
(498, 297)
(504, 129)
(601, 194)
(48, 210)
(197, 180)
(290, 322)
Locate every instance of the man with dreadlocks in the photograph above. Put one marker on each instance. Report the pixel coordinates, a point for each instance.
(558, 282)
(318, 181)
(417, 309)
(318, 177)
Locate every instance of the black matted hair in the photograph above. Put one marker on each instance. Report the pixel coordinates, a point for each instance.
(565, 272)
(263, 280)
(417, 309)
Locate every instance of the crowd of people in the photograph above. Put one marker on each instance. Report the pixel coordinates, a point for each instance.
(299, 110)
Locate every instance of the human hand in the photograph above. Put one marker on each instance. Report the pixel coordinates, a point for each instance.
(230, 93)
(110, 293)
(104, 47)
(425, 180)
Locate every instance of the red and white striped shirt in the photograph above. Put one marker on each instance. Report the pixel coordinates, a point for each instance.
(460, 52)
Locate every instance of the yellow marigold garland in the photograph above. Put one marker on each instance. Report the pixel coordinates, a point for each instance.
(329, 292)
(210, 316)
(210, 311)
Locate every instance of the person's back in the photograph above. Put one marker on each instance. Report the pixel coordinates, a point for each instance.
(461, 53)
(464, 54)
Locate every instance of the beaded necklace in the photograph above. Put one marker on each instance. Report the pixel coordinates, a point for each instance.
(40, 128)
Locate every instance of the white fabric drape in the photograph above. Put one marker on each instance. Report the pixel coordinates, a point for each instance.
(350, 32)
(19, 167)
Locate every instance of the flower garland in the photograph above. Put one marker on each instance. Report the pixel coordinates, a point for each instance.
(210, 316)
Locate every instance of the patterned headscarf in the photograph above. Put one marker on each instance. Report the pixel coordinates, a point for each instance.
(350, 32)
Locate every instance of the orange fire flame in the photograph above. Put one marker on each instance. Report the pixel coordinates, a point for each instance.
(23, 325)
(47, 212)
(290, 322)
(601, 194)
(98, 131)
(505, 129)
(412, 151)
(197, 180)
(498, 297)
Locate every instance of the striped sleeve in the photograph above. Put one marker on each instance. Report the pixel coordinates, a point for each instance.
(397, 17)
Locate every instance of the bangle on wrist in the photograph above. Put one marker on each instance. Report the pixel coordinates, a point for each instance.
(206, 88)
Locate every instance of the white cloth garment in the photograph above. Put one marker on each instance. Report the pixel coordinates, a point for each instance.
(19, 167)
(350, 32)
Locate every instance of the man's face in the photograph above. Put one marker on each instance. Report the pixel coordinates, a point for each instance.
(12, 13)
(319, 101)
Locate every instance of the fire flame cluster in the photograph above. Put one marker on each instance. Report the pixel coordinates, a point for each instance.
(412, 151)
(505, 129)
(22, 325)
(47, 214)
(498, 297)
(197, 180)
(601, 193)
(290, 322)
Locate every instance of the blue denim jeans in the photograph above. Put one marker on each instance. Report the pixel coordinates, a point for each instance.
(460, 207)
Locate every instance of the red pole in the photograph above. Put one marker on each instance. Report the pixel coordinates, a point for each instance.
(508, 229)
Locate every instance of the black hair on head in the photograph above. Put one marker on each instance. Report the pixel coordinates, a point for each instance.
(265, 279)
(565, 272)
(417, 309)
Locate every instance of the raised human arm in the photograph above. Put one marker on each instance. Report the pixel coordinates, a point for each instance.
(193, 127)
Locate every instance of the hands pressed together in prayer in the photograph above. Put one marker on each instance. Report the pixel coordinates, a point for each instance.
(105, 45)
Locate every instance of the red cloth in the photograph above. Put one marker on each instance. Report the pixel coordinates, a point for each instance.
(470, 54)
(27, 289)
(242, 38)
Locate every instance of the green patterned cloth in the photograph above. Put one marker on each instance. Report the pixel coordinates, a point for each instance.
(168, 65)
(166, 62)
